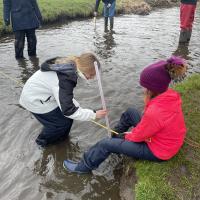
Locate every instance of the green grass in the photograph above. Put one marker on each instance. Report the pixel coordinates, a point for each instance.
(178, 178)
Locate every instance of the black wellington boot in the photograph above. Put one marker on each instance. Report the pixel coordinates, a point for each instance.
(105, 24)
(183, 36)
(189, 33)
(111, 24)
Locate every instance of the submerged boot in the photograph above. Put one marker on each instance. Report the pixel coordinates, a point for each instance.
(105, 24)
(75, 167)
(111, 24)
(183, 36)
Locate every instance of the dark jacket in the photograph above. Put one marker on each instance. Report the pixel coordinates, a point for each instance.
(24, 14)
(104, 1)
(192, 2)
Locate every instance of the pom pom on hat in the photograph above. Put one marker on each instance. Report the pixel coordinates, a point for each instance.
(157, 76)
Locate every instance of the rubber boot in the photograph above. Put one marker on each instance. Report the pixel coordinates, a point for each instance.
(105, 24)
(183, 36)
(111, 24)
(189, 33)
(75, 167)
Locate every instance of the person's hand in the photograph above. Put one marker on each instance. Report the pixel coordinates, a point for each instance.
(120, 135)
(95, 14)
(109, 5)
(7, 22)
(101, 114)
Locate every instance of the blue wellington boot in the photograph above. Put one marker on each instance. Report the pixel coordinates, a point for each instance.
(75, 167)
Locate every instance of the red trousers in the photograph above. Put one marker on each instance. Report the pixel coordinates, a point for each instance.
(187, 12)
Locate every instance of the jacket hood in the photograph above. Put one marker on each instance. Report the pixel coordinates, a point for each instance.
(68, 69)
(169, 101)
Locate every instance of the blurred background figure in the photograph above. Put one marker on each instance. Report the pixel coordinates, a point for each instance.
(187, 13)
(109, 12)
(26, 18)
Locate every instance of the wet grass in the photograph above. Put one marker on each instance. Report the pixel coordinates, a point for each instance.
(179, 178)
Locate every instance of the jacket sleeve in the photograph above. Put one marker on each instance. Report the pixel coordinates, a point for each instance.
(97, 5)
(6, 10)
(148, 127)
(68, 105)
(37, 10)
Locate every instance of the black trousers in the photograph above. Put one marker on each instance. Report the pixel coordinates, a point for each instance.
(20, 40)
(56, 127)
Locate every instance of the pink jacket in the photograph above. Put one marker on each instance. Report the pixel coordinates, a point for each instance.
(162, 126)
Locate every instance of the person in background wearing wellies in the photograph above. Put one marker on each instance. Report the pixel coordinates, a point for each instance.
(26, 18)
(158, 135)
(48, 95)
(109, 12)
(187, 13)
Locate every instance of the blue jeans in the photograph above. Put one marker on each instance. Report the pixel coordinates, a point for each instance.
(109, 11)
(56, 127)
(101, 150)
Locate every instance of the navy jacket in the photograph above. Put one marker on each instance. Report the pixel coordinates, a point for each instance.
(192, 2)
(24, 14)
(105, 1)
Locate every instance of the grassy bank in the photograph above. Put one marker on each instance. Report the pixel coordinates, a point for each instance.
(54, 10)
(179, 178)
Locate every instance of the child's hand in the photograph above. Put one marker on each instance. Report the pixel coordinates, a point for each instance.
(95, 14)
(101, 114)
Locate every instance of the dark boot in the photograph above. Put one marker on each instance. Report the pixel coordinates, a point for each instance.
(19, 44)
(111, 24)
(189, 33)
(32, 42)
(105, 24)
(183, 36)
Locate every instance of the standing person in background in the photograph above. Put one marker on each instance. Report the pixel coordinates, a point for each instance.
(109, 12)
(187, 13)
(26, 18)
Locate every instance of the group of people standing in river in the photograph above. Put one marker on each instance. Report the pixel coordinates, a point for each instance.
(155, 135)
(26, 17)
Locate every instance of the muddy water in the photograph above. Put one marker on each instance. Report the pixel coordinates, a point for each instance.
(29, 172)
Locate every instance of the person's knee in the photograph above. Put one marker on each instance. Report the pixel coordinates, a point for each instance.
(131, 110)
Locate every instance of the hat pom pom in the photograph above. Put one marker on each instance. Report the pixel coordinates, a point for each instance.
(176, 66)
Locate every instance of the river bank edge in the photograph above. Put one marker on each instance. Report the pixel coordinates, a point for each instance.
(60, 11)
(178, 178)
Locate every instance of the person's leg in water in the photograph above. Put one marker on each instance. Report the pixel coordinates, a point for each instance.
(130, 118)
(19, 44)
(101, 150)
(111, 15)
(56, 127)
(187, 13)
(106, 15)
(32, 42)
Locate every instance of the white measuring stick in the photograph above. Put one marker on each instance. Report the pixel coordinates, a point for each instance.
(102, 95)
(95, 22)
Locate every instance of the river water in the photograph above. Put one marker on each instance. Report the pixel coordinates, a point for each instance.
(30, 172)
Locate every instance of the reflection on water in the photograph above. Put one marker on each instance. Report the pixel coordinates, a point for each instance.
(28, 70)
(183, 51)
(104, 45)
(28, 172)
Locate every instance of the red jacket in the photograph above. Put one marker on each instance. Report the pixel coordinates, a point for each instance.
(162, 126)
